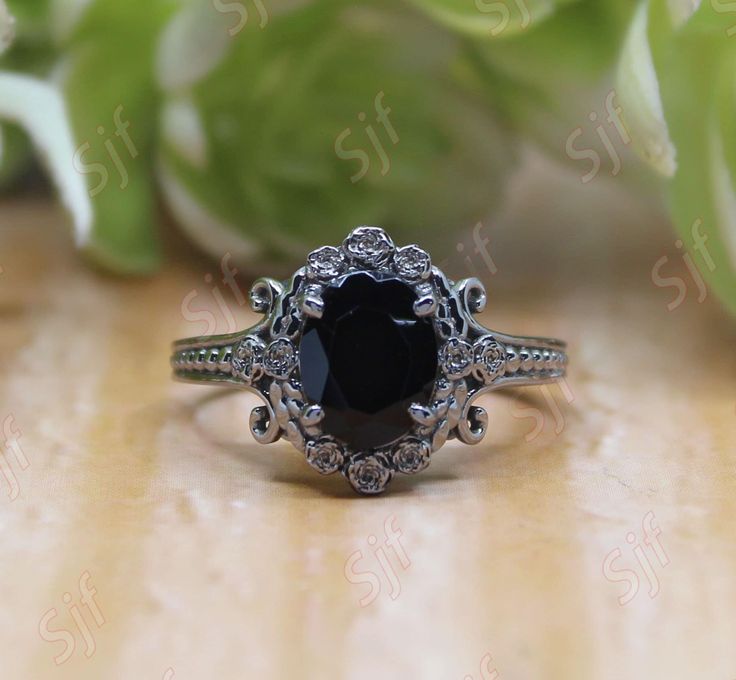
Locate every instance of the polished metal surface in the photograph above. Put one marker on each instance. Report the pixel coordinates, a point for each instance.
(472, 360)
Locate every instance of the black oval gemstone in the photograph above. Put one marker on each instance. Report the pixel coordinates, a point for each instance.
(367, 359)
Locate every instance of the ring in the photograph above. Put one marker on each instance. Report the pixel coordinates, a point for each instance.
(368, 359)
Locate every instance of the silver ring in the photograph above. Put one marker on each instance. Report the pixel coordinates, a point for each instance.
(368, 359)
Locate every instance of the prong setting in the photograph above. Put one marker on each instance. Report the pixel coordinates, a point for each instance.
(311, 302)
(426, 303)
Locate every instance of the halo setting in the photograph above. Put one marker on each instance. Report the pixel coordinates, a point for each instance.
(368, 359)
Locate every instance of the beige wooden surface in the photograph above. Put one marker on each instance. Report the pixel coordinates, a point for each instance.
(212, 557)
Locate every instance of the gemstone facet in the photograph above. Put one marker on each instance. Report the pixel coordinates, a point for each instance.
(367, 359)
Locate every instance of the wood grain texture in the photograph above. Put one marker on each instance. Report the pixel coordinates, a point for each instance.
(213, 557)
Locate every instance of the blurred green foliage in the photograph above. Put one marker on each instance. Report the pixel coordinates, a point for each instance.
(269, 126)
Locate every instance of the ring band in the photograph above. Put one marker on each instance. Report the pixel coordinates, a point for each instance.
(368, 359)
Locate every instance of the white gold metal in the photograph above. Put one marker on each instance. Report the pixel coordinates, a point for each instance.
(472, 360)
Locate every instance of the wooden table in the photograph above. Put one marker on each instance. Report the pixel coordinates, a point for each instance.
(591, 534)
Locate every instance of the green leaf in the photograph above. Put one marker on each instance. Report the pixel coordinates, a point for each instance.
(638, 90)
(112, 101)
(545, 80)
(7, 27)
(31, 18)
(695, 62)
(38, 108)
(489, 18)
(268, 158)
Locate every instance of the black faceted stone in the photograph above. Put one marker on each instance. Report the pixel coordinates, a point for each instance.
(367, 359)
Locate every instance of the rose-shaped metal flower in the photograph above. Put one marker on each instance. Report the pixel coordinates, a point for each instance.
(247, 358)
(369, 246)
(369, 475)
(280, 358)
(489, 358)
(411, 455)
(456, 358)
(325, 454)
(326, 263)
(412, 263)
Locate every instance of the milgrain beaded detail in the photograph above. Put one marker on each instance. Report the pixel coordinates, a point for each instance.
(546, 359)
(225, 362)
(527, 361)
(535, 361)
(213, 360)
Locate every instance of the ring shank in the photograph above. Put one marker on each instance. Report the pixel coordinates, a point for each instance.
(206, 358)
(528, 360)
(531, 361)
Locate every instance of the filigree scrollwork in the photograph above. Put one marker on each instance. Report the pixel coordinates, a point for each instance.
(472, 295)
(473, 421)
(263, 424)
(263, 295)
